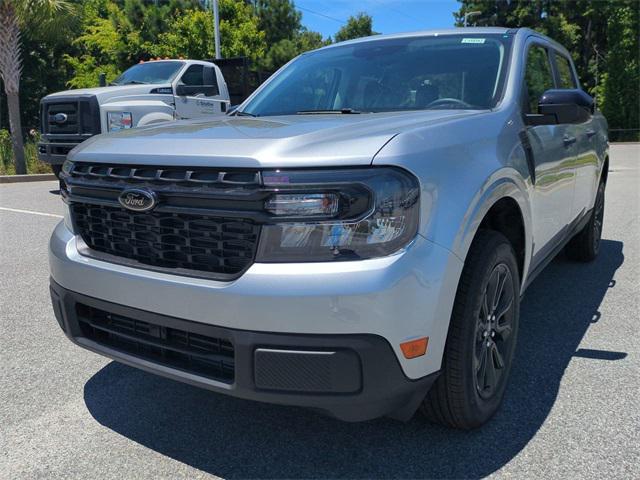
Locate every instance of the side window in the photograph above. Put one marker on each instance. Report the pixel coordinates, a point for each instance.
(565, 73)
(538, 75)
(193, 76)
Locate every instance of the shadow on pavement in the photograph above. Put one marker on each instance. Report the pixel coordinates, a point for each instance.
(234, 438)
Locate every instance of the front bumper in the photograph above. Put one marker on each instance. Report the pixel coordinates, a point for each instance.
(405, 296)
(368, 307)
(55, 152)
(351, 377)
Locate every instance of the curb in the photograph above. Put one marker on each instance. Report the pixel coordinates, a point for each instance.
(36, 177)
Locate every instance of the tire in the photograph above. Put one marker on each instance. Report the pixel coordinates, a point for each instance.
(464, 396)
(585, 245)
(56, 169)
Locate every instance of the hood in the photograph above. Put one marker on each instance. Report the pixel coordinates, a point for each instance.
(285, 141)
(109, 94)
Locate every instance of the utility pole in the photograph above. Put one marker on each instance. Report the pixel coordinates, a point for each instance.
(470, 14)
(216, 27)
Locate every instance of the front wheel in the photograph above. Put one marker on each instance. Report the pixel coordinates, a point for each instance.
(481, 339)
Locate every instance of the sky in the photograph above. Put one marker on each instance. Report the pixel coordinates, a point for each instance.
(389, 16)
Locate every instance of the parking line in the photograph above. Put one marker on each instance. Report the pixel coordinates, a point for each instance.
(15, 210)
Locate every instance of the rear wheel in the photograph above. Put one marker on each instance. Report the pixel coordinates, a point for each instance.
(584, 247)
(481, 339)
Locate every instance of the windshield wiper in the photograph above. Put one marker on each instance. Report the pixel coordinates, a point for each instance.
(133, 82)
(344, 111)
(238, 113)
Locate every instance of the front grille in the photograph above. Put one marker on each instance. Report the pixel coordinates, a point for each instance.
(82, 117)
(199, 177)
(202, 355)
(178, 241)
(68, 126)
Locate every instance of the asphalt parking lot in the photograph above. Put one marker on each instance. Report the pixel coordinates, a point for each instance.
(571, 409)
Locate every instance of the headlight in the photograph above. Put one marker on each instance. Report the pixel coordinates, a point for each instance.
(119, 121)
(67, 218)
(324, 215)
(67, 166)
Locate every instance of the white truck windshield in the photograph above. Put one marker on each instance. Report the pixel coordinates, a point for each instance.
(150, 72)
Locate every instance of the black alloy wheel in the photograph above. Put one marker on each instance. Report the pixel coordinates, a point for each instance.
(493, 331)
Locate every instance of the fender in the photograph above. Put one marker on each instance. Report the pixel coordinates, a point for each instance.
(155, 117)
(503, 183)
(144, 112)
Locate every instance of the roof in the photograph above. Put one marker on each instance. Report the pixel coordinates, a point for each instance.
(447, 31)
(425, 33)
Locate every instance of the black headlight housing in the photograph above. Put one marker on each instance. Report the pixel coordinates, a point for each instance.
(341, 214)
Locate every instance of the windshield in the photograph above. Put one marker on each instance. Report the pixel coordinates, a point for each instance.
(150, 72)
(417, 73)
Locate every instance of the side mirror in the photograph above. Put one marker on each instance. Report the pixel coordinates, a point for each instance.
(207, 90)
(562, 106)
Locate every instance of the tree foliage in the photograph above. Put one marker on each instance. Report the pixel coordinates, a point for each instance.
(279, 19)
(116, 34)
(190, 35)
(285, 36)
(359, 26)
(94, 36)
(17, 19)
(602, 37)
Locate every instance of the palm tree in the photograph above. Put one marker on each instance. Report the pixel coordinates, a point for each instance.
(16, 15)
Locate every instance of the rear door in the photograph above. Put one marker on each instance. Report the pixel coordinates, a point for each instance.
(586, 163)
(552, 150)
(197, 93)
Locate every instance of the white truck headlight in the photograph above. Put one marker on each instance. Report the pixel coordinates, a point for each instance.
(119, 121)
(67, 166)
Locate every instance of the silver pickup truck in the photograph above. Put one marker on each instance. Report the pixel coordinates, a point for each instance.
(355, 237)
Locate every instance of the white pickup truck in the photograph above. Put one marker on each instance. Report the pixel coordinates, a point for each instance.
(147, 93)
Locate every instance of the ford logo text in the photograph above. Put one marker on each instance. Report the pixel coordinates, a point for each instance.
(60, 118)
(138, 200)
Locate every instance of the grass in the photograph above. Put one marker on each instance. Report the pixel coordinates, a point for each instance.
(7, 164)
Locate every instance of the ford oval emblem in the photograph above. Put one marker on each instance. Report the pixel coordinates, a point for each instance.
(60, 118)
(137, 199)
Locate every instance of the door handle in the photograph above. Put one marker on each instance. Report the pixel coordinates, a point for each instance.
(568, 140)
(590, 133)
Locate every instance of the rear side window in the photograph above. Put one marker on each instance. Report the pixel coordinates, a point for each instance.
(565, 74)
(538, 75)
(193, 76)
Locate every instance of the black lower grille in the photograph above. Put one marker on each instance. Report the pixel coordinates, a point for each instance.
(61, 149)
(191, 352)
(214, 245)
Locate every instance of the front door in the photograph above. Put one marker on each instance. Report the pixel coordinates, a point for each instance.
(553, 151)
(197, 93)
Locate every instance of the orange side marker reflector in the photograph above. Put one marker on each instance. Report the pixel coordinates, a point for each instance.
(414, 348)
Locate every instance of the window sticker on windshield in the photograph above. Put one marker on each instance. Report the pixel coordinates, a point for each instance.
(473, 40)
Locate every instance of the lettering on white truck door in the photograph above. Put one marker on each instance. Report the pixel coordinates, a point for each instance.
(197, 93)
